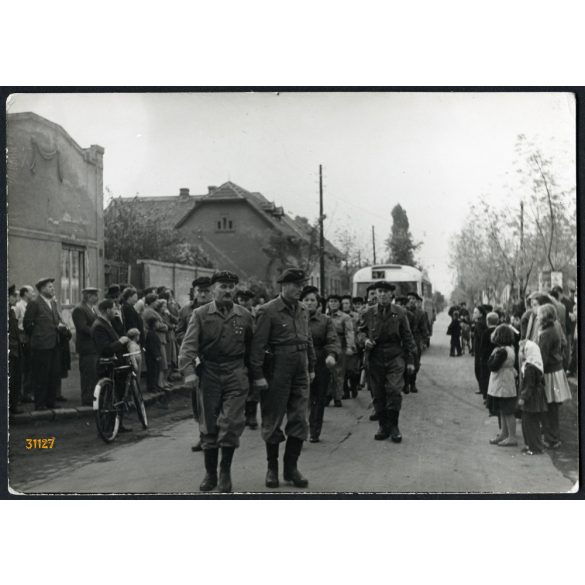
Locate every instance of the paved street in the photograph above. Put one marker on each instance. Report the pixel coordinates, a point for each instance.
(445, 448)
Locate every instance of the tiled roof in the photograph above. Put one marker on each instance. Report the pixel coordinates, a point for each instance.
(168, 210)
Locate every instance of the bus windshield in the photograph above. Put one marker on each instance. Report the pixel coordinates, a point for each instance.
(402, 288)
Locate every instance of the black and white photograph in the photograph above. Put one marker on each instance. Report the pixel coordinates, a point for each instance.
(295, 292)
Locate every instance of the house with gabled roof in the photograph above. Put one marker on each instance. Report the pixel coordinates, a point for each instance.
(243, 231)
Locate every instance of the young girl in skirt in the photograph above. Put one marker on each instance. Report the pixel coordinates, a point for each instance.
(532, 398)
(556, 385)
(502, 385)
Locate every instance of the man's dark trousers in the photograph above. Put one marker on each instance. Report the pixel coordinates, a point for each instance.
(46, 372)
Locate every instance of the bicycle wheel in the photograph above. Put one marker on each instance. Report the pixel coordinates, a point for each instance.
(107, 417)
(138, 402)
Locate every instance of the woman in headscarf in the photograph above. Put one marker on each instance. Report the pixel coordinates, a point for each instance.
(556, 385)
(532, 400)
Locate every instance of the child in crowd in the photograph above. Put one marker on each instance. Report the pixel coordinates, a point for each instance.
(532, 399)
(153, 355)
(454, 330)
(502, 385)
(133, 347)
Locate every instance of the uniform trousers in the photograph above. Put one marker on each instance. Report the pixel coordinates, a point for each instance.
(221, 400)
(88, 375)
(46, 372)
(318, 397)
(386, 375)
(532, 423)
(287, 394)
(411, 378)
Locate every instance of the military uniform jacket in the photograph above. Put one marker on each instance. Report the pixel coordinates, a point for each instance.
(279, 325)
(184, 318)
(390, 330)
(325, 339)
(83, 318)
(216, 337)
(40, 324)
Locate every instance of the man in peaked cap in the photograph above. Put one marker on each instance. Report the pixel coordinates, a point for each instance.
(43, 324)
(83, 317)
(282, 330)
(385, 333)
(116, 322)
(201, 296)
(213, 355)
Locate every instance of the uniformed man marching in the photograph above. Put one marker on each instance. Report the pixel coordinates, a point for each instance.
(419, 332)
(282, 329)
(214, 355)
(201, 296)
(386, 336)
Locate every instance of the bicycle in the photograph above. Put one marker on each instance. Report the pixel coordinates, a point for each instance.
(109, 409)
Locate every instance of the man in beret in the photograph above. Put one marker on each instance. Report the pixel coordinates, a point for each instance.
(213, 355)
(420, 333)
(282, 329)
(201, 296)
(83, 317)
(385, 333)
(43, 325)
(344, 327)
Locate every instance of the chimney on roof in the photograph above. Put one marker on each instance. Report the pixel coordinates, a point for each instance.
(211, 189)
(184, 193)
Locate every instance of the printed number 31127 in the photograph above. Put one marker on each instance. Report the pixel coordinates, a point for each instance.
(47, 443)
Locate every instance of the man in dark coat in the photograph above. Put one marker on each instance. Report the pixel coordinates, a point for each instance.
(117, 322)
(282, 328)
(385, 333)
(83, 317)
(43, 324)
(130, 317)
(108, 344)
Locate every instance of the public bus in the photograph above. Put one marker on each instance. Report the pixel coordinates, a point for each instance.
(405, 278)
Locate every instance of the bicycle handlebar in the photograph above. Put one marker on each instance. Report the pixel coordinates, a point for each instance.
(132, 353)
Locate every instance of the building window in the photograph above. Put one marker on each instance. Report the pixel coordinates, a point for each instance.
(72, 274)
(225, 224)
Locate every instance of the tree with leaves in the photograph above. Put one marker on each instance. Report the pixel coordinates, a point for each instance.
(129, 236)
(400, 245)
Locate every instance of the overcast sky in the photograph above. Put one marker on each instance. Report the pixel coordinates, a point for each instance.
(434, 153)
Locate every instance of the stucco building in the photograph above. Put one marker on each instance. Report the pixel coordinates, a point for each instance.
(55, 208)
(242, 231)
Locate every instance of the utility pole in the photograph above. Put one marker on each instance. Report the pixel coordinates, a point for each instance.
(359, 258)
(374, 243)
(321, 236)
(521, 278)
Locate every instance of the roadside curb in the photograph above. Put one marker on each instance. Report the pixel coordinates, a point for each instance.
(82, 411)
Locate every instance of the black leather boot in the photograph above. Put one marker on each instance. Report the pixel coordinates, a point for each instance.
(393, 423)
(251, 408)
(225, 478)
(383, 430)
(210, 480)
(413, 387)
(272, 472)
(291, 456)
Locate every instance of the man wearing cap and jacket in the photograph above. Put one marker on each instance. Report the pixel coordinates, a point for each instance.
(282, 330)
(420, 333)
(385, 333)
(201, 296)
(213, 355)
(83, 317)
(44, 326)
